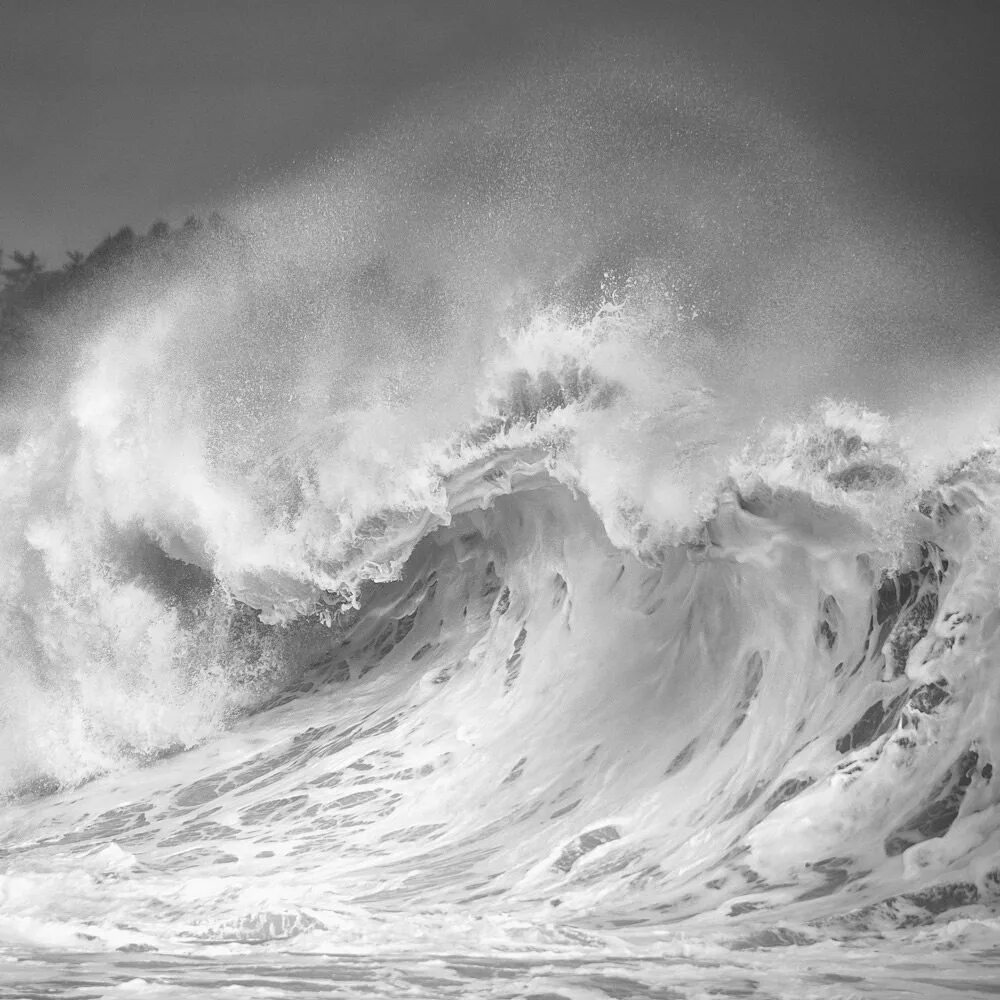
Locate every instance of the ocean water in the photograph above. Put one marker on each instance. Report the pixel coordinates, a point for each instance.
(547, 555)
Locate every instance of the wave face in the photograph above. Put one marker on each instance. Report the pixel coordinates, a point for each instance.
(511, 595)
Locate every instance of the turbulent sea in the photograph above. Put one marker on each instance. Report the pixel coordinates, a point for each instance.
(512, 568)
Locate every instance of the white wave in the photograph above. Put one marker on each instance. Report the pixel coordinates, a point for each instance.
(498, 606)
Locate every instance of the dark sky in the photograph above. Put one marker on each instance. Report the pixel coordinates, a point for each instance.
(121, 113)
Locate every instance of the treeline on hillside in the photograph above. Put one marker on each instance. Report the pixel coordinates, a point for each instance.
(31, 292)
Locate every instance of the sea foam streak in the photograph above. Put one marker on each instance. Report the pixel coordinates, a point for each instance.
(538, 641)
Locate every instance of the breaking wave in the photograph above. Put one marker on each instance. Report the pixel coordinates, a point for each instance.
(389, 599)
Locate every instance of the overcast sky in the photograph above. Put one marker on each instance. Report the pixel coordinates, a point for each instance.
(122, 113)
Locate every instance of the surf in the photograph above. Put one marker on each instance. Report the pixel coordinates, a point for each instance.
(513, 605)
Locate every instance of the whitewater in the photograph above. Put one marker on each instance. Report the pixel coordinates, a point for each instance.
(538, 554)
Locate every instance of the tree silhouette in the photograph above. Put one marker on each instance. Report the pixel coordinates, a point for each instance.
(30, 294)
(26, 266)
(114, 250)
